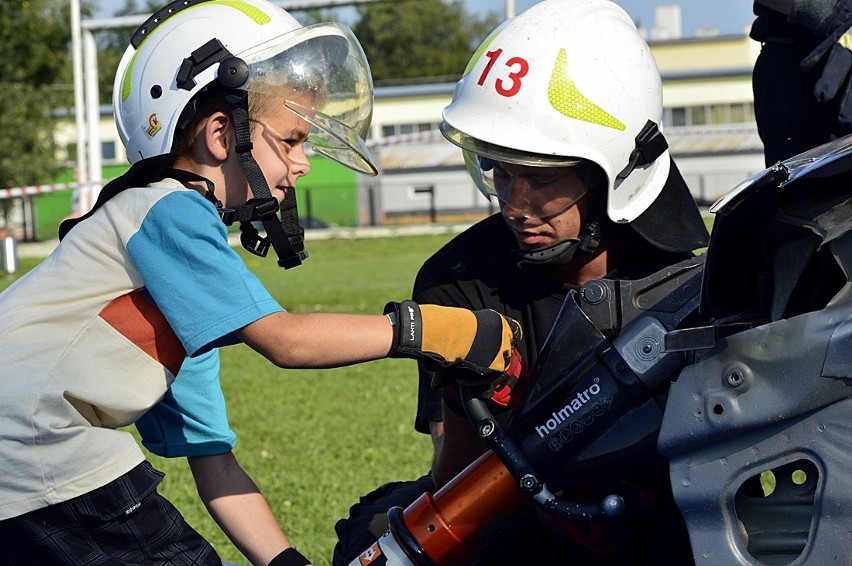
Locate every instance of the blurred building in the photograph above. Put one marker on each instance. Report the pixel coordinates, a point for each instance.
(708, 121)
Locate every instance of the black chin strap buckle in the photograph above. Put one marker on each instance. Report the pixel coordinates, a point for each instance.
(253, 209)
(264, 210)
(252, 241)
(592, 238)
(299, 255)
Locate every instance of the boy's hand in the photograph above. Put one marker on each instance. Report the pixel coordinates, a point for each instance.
(480, 341)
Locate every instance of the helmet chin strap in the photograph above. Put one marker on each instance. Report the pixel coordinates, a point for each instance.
(286, 237)
(563, 252)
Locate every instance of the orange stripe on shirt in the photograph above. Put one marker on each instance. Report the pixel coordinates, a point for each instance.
(142, 323)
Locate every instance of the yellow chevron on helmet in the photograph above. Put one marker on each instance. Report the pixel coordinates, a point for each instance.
(567, 99)
(564, 81)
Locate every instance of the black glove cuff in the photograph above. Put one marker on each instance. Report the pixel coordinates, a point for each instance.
(407, 332)
(290, 557)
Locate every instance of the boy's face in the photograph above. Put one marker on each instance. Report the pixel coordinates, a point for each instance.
(278, 141)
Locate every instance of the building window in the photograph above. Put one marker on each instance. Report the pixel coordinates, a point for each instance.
(719, 114)
(389, 130)
(108, 150)
(697, 115)
(677, 116)
(742, 113)
(736, 113)
(71, 152)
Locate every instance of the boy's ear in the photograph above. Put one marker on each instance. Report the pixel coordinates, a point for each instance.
(217, 135)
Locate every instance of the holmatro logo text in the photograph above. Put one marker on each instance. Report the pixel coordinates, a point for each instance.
(574, 405)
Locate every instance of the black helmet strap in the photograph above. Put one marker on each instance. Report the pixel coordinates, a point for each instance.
(563, 252)
(285, 236)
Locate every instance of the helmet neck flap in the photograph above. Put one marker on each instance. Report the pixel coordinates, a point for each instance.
(573, 81)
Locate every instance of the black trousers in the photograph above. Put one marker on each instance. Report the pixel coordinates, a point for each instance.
(123, 522)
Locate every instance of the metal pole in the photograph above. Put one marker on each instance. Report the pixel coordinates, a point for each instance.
(136, 20)
(76, 50)
(8, 252)
(510, 9)
(93, 118)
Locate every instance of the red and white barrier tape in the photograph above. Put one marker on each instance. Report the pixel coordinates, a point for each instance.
(402, 139)
(15, 192)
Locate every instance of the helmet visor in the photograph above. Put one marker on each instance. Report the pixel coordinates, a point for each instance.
(505, 154)
(483, 160)
(534, 192)
(320, 73)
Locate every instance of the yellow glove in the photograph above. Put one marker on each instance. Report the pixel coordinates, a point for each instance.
(480, 341)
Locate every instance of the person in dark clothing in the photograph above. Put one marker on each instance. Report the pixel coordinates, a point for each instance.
(558, 117)
(801, 76)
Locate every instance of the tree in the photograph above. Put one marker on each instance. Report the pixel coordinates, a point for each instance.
(114, 41)
(35, 81)
(315, 15)
(419, 39)
(403, 39)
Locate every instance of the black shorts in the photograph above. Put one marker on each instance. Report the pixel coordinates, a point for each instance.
(123, 522)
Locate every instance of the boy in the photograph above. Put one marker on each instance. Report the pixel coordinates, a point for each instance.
(214, 101)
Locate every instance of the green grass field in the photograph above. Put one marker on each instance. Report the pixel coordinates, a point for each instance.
(315, 440)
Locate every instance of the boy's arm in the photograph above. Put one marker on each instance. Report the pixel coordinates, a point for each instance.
(236, 504)
(318, 340)
(479, 341)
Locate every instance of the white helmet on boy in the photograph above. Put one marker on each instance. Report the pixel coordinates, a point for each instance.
(177, 53)
(563, 81)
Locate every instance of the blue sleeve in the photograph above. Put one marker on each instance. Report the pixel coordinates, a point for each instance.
(191, 419)
(201, 285)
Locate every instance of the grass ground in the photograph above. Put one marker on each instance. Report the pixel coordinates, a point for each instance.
(315, 440)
